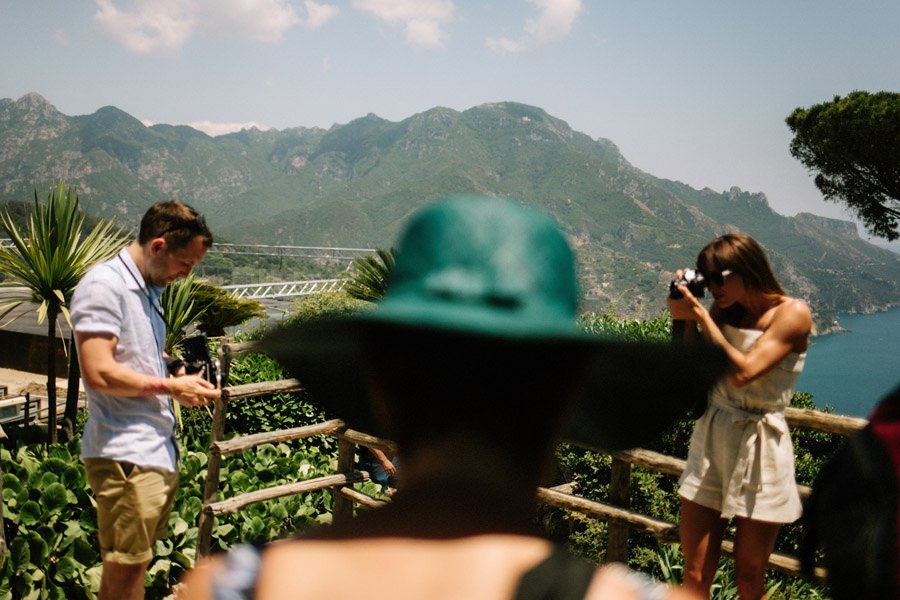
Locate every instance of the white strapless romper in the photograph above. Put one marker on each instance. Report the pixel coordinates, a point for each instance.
(741, 459)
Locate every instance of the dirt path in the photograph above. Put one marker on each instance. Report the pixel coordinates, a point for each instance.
(20, 382)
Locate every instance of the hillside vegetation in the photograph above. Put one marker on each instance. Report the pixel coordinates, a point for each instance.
(354, 185)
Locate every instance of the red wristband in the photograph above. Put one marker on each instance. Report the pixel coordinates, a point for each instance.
(153, 386)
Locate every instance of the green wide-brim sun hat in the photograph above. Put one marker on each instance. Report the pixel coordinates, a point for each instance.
(496, 269)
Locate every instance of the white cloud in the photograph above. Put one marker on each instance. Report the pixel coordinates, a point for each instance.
(553, 23)
(423, 19)
(165, 26)
(213, 129)
(319, 14)
(150, 27)
(60, 37)
(257, 20)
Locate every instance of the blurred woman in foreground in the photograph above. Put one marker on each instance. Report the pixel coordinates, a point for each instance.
(473, 364)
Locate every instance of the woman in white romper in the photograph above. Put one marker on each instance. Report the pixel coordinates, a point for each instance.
(741, 461)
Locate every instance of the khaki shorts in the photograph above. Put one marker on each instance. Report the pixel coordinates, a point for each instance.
(132, 509)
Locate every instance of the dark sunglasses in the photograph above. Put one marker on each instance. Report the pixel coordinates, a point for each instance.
(717, 277)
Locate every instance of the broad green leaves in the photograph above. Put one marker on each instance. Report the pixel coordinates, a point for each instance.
(51, 519)
(50, 522)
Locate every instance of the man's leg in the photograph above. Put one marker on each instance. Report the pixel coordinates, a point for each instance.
(121, 581)
(133, 506)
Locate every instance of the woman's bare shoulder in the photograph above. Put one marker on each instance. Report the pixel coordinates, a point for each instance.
(318, 568)
(797, 305)
(618, 582)
(795, 312)
(490, 564)
(197, 583)
(792, 322)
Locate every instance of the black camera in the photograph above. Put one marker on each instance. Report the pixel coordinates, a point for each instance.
(692, 280)
(196, 357)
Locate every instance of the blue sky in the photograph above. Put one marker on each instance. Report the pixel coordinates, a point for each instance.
(692, 90)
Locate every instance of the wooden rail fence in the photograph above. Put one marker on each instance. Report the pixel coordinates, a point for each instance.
(616, 514)
(30, 409)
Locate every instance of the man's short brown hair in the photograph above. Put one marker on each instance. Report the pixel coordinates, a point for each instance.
(176, 222)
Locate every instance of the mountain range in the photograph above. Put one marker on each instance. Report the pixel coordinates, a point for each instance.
(355, 184)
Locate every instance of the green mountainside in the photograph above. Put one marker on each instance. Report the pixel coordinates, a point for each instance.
(354, 185)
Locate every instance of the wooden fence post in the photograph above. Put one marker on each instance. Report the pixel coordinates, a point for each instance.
(619, 495)
(214, 463)
(3, 549)
(211, 486)
(343, 506)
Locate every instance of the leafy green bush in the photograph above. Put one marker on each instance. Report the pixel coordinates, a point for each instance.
(50, 524)
(329, 305)
(51, 521)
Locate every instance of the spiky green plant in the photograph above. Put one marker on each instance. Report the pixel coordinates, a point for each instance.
(46, 260)
(182, 309)
(224, 310)
(370, 275)
(192, 301)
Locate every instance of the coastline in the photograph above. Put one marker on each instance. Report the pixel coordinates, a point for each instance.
(837, 327)
(852, 372)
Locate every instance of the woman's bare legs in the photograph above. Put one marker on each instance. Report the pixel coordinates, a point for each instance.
(701, 531)
(753, 543)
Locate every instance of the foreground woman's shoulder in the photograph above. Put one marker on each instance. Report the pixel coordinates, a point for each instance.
(232, 575)
(618, 582)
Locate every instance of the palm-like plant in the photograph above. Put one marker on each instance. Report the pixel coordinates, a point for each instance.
(181, 308)
(370, 275)
(46, 260)
(192, 301)
(224, 310)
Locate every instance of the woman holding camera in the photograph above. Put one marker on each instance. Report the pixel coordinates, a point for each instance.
(741, 460)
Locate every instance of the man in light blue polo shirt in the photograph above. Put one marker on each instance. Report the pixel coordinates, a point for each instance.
(129, 447)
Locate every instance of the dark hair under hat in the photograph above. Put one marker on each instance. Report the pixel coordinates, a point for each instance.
(496, 269)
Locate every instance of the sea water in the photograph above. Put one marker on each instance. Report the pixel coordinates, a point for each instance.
(854, 369)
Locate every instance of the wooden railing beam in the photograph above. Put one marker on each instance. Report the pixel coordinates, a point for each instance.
(823, 422)
(264, 388)
(244, 442)
(369, 441)
(236, 503)
(361, 498)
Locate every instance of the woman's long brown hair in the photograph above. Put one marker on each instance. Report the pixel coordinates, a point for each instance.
(744, 256)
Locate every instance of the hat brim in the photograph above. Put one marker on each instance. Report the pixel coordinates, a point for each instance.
(633, 391)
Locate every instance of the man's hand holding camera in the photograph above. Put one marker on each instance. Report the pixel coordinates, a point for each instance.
(192, 390)
(187, 390)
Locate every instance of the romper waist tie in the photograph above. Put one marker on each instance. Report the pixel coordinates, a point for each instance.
(756, 428)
